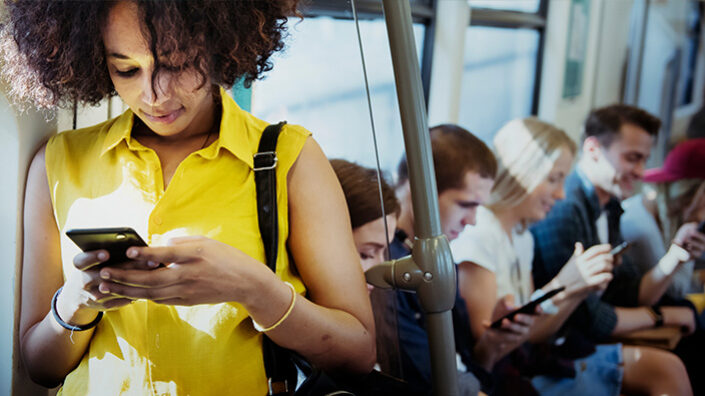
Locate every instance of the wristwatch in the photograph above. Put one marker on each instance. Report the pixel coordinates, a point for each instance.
(656, 313)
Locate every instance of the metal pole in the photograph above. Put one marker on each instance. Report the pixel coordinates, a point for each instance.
(431, 251)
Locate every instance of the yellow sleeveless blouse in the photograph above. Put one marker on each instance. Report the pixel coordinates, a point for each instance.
(101, 177)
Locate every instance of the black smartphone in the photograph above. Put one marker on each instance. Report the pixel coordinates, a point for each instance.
(701, 227)
(528, 308)
(621, 248)
(115, 240)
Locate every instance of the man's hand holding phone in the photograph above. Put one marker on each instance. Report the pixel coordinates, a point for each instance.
(586, 271)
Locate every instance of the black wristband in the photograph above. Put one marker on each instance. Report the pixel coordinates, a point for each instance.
(70, 326)
(657, 314)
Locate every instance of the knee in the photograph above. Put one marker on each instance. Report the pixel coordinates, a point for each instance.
(655, 372)
(672, 371)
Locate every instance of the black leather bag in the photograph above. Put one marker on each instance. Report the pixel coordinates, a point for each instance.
(281, 365)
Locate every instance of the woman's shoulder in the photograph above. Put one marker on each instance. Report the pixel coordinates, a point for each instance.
(479, 243)
(484, 232)
(81, 138)
(241, 124)
(289, 132)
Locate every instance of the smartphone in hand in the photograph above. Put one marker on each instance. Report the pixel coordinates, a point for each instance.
(621, 248)
(528, 308)
(115, 240)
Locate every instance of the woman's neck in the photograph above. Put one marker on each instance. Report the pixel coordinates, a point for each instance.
(508, 219)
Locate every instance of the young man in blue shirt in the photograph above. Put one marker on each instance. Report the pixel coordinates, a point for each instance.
(465, 169)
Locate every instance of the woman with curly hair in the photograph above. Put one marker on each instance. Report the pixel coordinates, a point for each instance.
(187, 314)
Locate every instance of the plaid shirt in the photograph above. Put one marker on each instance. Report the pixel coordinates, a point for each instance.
(574, 220)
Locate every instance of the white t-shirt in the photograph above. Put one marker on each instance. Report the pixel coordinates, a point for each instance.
(487, 245)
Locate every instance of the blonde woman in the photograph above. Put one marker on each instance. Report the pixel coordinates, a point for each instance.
(496, 257)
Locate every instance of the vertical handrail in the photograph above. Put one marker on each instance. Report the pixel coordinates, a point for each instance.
(431, 251)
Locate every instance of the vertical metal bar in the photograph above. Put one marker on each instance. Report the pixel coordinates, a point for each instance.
(413, 117)
(427, 53)
(431, 250)
(538, 73)
(636, 53)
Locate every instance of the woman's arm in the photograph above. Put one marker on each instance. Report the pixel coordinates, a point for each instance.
(335, 328)
(687, 244)
(547, 325)
(478, 288)
(585, 272)
(49, 351)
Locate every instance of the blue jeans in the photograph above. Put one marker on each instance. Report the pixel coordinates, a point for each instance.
(598, 374)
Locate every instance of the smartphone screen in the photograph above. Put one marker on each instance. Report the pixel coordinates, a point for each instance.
(527, 308)
(115, 240)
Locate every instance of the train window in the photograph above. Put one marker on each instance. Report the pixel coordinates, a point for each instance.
(499, 70)
(318, 82)
(514, 5)
(692, 37)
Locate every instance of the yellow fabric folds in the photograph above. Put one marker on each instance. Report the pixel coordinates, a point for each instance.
(101, 177)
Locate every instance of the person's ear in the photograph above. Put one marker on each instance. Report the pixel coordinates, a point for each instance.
(592, 148)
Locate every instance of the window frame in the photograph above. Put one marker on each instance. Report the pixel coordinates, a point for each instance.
(422, 12)
(509, 19)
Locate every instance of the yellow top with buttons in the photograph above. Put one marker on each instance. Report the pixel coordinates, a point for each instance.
(101, 177)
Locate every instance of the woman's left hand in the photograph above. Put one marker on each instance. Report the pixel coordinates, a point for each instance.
(689, 238)
(198, 270)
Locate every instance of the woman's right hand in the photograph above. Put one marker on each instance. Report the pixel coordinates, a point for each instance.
(80, 300)
(494, 344)
(587, 270)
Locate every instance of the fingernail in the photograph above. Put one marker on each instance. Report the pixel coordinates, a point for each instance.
(132, 253)
(103, 288)
(152, 264)
(102, 256)
(104, 274)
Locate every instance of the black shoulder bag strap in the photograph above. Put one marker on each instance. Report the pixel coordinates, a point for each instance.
(277, 366)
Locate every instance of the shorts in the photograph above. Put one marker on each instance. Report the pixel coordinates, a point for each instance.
(598, 374)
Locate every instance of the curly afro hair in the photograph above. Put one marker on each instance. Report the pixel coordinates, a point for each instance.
(53, 51)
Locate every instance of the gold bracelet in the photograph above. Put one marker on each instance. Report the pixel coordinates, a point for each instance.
(262, 329)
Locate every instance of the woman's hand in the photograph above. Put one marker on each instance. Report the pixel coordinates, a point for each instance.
(198, 270)
(690, 239)
(80, 300)
(586, 271)
(494, 344)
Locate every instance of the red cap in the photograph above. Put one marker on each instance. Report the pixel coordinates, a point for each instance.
(685, 161)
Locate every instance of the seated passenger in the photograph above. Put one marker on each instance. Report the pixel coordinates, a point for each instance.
(373, 222)
(668, 214)
(372, 236)
(178, 167)
(496, 259)
(618, 140)
(465, 169)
